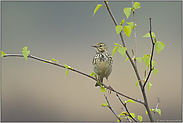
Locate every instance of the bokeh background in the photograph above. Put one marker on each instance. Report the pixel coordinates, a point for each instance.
(35, 91)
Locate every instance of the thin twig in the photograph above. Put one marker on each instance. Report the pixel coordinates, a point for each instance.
(156, 107)
(127, 115)
(134, 35)
(152, 52)
(126, 108)
(77, 71)
(109, 106)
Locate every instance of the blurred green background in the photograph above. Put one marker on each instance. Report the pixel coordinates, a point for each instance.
(35, 91)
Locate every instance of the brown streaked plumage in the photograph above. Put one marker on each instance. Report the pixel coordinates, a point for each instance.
(102, 61)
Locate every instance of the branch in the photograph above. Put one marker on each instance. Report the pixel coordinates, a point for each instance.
(134, 34)
(123, 42)
(46, 61)
(134, 66)
(136, 100)
(126, 108)
(109, 106)
(156, 107)
(77, 71)
(150, 68)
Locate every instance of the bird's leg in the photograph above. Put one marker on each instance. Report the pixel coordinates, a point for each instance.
(110, 88)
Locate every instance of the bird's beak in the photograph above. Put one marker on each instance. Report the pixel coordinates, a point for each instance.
(94, 46)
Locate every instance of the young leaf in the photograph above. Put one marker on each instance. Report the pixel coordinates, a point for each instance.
(93, 74)
(155, 71)
(153, 63)
(102, 89)
(122, 22)
(96, 9)
(114, 50)
(147, 112)
(118, 29)
(146, 59)
(149, 85)
(159, 46)
(2, 54)
(129, 100)
(54, 60)
(127, 30)
(140, 118)
(122, 50)
(67, 66)
(123, 113)
(127, 59)
(159, 111)
(136, 5)
(138, 59)
(66, 72)
(25, 52)
(104, 105)
(137, 83)
(148, 35)
(131, 24)
(133, 115)
(117, 44)
(127, 11)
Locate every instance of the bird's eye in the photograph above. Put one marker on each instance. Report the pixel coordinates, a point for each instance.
(100, 45)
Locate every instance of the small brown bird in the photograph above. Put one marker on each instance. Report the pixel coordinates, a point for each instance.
(102, 61)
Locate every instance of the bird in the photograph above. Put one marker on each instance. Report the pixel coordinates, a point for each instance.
(102, 62)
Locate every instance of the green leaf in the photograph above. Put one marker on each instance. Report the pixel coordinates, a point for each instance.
(133, 115)
(102, 89)
(122, 50)
(67, 67)
(155, 71)
(25, 52)
(131, 24)
(93, 74)
(54, 60)
(146, 59)
(129, 100)
(159, 46)
(127, 11)
(2, 54)
(148, 35)
(104, 105)
(66, 72)
(140, 118)
(136, 5)
(118, 45)
(114, 50)
(138, 59)
(147, 112)
(149, 85)
(127, 59)
(118, 29)
(46, 61)
(159, 111)
(137, 83)
(96, 9)
(127, 30)
(123, 113)
(122, 22)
